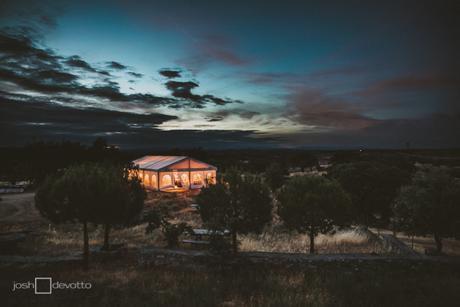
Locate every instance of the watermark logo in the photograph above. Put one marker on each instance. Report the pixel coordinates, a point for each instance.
(43, 285)
(46, 285)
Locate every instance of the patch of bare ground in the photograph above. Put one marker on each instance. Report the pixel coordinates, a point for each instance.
(18, 208)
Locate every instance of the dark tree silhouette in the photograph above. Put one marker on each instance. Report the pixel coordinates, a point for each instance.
(241, 205)
(373, 186)
(36, 161)
(119, 196)
(91, 193)
(313, 205)
(430, 205)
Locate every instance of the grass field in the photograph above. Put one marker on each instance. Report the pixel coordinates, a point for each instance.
(329, 284)
(121, 281)
(17, 212)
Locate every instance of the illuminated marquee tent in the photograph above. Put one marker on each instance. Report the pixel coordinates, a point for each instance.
(165, 173)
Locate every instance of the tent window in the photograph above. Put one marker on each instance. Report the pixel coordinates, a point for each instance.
(209, 178)
(197, 179)
(177, 181)
(184, 179)
(166, 180)
(146, 179)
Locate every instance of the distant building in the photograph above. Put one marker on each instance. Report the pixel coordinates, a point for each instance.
(174, 173)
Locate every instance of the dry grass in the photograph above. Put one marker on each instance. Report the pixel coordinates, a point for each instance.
(347, 241)
(451, 246)
(121, 282)
(65, 238)
(62, 239)
(331, 284)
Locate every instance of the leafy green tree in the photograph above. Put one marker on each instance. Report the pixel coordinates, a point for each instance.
(429, 204)
(313, 205)
(372, 186)
(91, 193)
(240, 204)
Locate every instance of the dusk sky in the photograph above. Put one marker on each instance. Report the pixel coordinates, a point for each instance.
(231, 74)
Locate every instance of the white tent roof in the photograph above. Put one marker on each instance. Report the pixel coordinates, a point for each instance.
(157, 163)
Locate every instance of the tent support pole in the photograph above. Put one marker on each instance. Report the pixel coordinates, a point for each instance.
(189, 176)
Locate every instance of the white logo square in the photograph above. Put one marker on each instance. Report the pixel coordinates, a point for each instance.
(40, 279)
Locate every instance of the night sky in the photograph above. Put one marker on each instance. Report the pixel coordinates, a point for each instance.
(231, 74)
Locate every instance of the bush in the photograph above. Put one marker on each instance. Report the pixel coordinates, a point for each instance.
(170, 231)
(220, 245)
(153, 219)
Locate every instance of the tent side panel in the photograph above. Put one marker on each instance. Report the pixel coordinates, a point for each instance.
(166, 180)
(148, 179)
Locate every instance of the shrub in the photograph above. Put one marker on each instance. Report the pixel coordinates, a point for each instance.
(171, 231)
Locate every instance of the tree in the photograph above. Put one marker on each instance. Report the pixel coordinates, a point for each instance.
(91, 193)
(274, 176)
(241, 205)
(118, 196)
(372, 186)
(313, 205)
(430, 205)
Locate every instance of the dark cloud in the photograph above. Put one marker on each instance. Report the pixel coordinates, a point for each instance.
(55, 81)
(116, 65)
(76, 61)
(222, 114)
(288, 79)
(170, 73)
(38, 120)
(213, 48)
(19, 44)
(183, 90)
(268, 77)
(314, 108)
(98, 120)
(219, 47)
(414, 83)
(135, 74)
(33, 68)
(40, 14)
(339, 72)
(434, 131)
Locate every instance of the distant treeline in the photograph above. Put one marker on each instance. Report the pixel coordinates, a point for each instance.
(36, 160)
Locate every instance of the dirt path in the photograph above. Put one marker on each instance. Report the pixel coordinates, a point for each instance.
(162, 256)
(18, 208)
